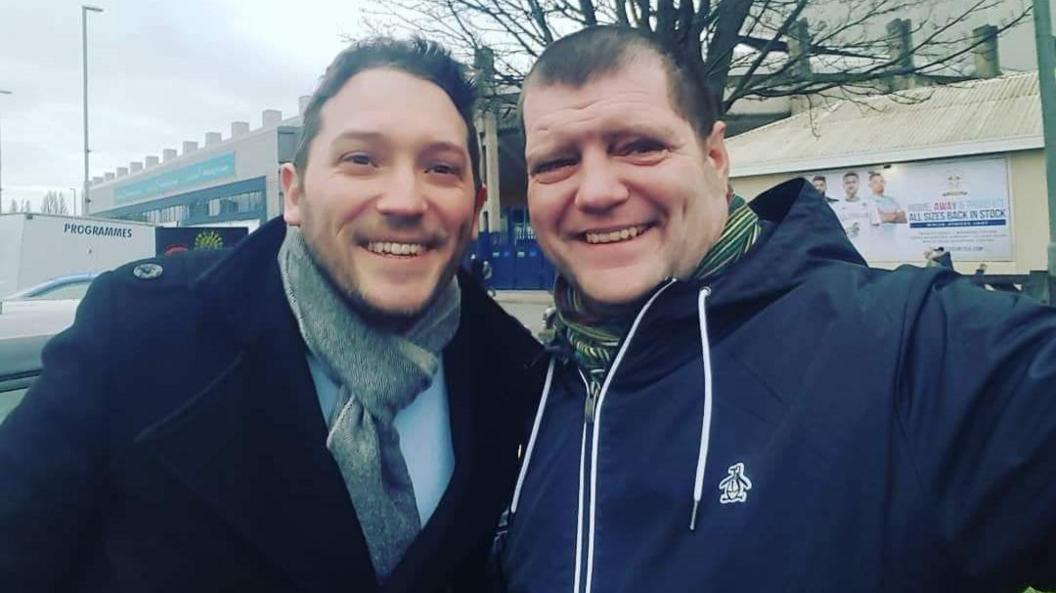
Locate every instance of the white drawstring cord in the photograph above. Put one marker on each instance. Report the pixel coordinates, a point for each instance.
(531, 440)
(705, 429)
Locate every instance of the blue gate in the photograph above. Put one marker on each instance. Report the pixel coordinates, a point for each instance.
(516, 261)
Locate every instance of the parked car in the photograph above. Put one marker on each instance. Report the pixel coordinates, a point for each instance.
(22, 338)
(28, 319)
(62, 293)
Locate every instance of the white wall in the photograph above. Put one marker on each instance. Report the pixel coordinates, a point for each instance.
(256, 155)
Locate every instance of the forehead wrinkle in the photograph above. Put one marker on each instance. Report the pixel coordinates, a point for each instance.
(602, 105)
(607, 126)
(593, 103)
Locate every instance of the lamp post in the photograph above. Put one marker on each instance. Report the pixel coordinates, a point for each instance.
(85, 9)
(2, 92)
(1047, 84)
(73, 202)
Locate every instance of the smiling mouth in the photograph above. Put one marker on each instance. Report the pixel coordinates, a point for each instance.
(615, 236)
(393, 249)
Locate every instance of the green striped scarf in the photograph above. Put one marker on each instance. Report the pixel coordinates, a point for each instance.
(593, 340)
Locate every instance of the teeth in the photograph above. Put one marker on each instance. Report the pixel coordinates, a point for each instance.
(612, 236)
(389, 248)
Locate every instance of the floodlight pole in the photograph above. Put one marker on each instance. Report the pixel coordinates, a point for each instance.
(1046, 45)
(2, 92)
(85, 9)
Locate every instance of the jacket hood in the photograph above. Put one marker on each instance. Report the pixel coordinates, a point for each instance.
(802, 236)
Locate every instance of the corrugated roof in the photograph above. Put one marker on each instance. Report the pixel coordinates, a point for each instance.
(976, 117)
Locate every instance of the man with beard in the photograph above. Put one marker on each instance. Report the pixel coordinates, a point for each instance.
(822, 185)
(327, 407)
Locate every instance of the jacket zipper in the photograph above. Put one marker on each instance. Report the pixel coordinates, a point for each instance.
(593, 390)
(588, 421)
(592, 429)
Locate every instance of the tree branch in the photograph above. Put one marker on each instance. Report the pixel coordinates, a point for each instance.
(685, 27)
(621, 12)
(737, 44)
(792, 17)
(665, 19)
(590, 17)
(730, 19)
(645, 12)
(540, 22)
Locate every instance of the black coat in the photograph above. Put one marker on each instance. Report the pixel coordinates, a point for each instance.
(174, 442)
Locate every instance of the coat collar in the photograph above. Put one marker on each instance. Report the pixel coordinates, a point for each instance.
(253, 442)
(243, 291)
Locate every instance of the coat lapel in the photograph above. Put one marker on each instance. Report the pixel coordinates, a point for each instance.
(484, 440)
(253, 442)
(426, 561)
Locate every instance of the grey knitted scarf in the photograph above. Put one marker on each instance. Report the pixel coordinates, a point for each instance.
(379, 374)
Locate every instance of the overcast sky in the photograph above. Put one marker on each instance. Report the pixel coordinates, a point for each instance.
(163, 72)
(159, 73)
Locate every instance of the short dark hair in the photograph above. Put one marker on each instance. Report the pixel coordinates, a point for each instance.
(820, 178)
(850, 174)
(418, 57)
(875, 174)
(578, 58)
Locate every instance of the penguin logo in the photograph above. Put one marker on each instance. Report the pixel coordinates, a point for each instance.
(735, 486)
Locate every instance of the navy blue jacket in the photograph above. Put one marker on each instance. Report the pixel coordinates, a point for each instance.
(174, 442)
(854, 429)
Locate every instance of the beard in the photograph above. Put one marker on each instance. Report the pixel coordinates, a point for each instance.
(376, 314)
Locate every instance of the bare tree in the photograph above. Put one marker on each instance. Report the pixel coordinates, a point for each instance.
(54, 203)
(749, 48)
(26, 206)
(50, 203)
(13, 206)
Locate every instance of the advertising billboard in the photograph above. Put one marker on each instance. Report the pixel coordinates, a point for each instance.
(896, 212)
(169, 240)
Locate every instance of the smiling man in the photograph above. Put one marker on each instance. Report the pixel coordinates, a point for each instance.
(710, 420)
(888, 208)
(328, 407)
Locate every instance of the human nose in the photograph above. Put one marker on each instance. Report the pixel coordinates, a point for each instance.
(601, 187)
(403, 195)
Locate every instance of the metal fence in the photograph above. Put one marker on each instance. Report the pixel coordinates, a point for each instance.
(516, 261)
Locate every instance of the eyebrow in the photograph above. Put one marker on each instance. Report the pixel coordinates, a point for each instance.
(557, 143)
(639, 129)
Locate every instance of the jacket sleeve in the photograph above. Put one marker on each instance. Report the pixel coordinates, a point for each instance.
(52, 454)
(977, 403)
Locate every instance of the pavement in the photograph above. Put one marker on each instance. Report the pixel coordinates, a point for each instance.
(524, 296)
(526, 305)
